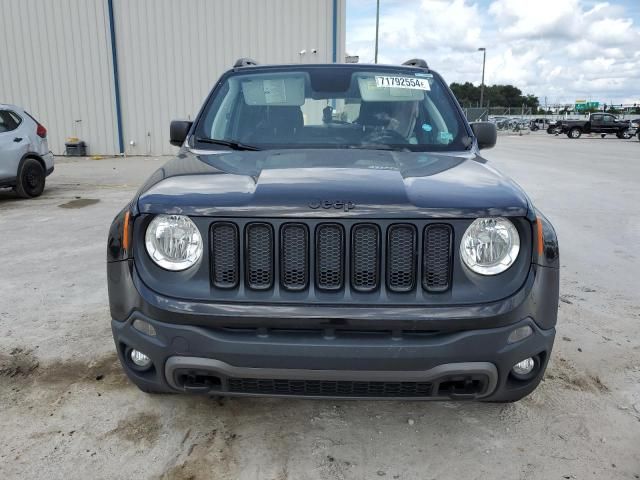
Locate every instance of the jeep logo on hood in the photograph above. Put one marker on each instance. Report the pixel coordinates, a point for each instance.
(337, 204)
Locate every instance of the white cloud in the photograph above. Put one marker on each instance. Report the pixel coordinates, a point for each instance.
(561, 49)
(537, 18)
(613, 31)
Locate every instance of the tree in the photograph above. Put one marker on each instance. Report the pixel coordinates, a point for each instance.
(495, 95)
(466, 93)
(532, 102)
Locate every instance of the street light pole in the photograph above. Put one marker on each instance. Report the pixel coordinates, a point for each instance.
(484, 59)
(375, 60)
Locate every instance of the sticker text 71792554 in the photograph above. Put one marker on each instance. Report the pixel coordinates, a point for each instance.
(402, 82)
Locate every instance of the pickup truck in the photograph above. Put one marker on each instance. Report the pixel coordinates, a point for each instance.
(602, 123)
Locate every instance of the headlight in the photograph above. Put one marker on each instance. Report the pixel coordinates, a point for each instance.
(490, 245)
(173, 242)
(635, 125)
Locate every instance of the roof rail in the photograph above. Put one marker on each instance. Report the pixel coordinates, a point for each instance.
(416, 62)
(244, 62)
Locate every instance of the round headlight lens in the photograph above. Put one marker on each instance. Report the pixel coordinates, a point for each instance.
(490, 245)
(173, 242)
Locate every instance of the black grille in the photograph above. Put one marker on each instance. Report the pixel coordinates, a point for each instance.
(357, 256)
(436, 274)
(330, 257)
(365, 255)
(225, 258)
(259, 256)
(328, 388)
(294, 244)
(401, 258)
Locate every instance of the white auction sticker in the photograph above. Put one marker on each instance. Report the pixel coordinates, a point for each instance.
(402, 82)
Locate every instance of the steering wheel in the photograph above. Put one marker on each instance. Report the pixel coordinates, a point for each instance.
(385, 136)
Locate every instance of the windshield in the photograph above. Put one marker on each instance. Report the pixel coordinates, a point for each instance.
(330, 107)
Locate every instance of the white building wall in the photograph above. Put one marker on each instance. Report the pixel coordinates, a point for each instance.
(55, 61)
(170, 53)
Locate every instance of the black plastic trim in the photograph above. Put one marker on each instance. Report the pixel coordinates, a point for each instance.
(342, 256)
(424, 257)
(284, 227)
(434, 375)
(351, 253)
(213, 254)
(390, 230)
(247, 227)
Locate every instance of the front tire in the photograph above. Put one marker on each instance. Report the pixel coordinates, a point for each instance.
(574, 133)
(623, 135)
(31, 179)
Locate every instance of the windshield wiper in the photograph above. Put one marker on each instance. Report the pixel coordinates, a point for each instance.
(226, 143)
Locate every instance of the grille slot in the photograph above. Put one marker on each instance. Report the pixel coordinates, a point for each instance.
(329, 388)
(225, 258)
(294, 248)
(259, 256)
(365, 255)
(329, 256)
(401, 258)
(436, 268)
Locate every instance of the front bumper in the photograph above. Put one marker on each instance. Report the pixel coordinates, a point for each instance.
(472, 364)
(401, 352)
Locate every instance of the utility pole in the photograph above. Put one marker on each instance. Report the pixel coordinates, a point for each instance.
(375, 60)
(484, 59)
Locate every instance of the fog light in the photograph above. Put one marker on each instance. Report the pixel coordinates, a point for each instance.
(140, 359)
(519, 333)
(524, 368)
(144, 327)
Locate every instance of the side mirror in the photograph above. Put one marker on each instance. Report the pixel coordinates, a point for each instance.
(486, 133)
(178, 132)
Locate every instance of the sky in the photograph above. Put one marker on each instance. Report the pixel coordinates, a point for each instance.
(558, 50)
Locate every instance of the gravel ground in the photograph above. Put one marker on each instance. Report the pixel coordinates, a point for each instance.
(68, 412)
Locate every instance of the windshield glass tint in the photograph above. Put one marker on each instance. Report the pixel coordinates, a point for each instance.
(333, 107)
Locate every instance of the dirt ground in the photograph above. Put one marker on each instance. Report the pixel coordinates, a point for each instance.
(67, 411)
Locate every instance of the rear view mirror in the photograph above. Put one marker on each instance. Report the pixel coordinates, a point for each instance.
(486, 134)
(178, 132)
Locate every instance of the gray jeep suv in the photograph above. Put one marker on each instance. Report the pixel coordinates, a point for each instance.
(333, 231)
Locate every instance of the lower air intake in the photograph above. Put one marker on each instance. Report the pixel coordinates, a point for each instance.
(320, 388)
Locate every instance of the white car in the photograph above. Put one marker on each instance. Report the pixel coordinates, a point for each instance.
(25, 159)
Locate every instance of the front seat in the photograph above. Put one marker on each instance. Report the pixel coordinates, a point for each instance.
(280, 125)
(375, 114)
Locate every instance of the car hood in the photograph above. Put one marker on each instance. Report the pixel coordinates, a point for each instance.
(327, 182)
